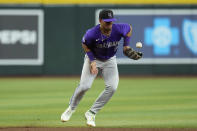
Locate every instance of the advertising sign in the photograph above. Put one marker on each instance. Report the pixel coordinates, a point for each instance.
(21, 37)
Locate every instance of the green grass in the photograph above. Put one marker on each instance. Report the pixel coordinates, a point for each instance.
(138, 102)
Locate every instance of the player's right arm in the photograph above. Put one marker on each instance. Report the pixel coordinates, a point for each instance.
(93, 68)
(85, 42)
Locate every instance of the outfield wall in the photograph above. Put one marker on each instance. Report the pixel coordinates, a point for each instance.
(103, 2)
(60, 50)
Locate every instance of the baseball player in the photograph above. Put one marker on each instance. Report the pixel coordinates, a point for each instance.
(100, 45)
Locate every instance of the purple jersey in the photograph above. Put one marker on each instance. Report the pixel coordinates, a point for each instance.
(104, 47)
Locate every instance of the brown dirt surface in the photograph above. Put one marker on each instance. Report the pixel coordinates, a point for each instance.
(94, 129)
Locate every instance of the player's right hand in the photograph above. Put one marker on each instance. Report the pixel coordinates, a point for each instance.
(93, 68)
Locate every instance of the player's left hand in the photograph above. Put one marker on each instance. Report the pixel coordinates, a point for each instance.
(129, 52)
(138, 56)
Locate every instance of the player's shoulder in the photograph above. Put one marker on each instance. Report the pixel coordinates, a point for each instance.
(120, 25)
(92, 31)
(122, 28)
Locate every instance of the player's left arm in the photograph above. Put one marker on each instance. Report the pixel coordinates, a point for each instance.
(127, 40)
(127, 50)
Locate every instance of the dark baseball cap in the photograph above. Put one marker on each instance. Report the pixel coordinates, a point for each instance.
(107, 15)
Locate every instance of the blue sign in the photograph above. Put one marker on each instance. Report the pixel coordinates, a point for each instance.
(161, 36)
(168, 36)
(190, 34)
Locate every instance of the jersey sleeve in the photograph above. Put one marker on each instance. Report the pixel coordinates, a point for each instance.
(125, 29)
(87, 39)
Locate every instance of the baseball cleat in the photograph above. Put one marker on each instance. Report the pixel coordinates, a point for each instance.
(90, 117)
(67, 114)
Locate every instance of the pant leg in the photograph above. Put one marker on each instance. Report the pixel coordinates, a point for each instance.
(111, 77)
(85, 83)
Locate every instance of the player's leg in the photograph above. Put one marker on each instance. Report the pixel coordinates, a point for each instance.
(111, 77)
(85, 83)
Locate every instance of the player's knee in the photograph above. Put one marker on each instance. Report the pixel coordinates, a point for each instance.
(112, 88)
(85, 87)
